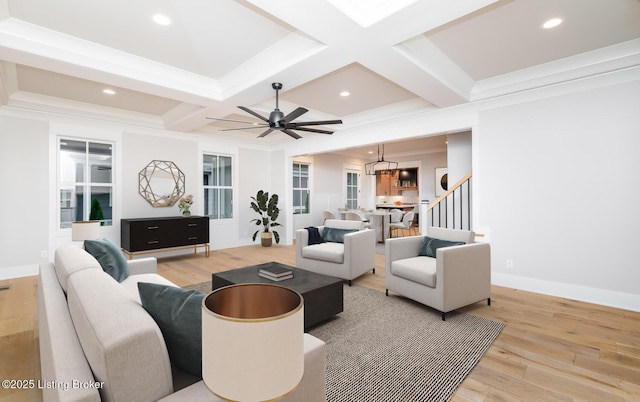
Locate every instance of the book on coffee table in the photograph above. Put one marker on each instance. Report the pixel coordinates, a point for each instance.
(276, 278)
(275, 271)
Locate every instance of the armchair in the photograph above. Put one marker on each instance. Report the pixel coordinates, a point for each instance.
(347, 260)
(458, 276)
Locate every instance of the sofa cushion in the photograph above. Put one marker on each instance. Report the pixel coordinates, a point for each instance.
(110, 257)
(178, 313)
(417, 269)
(122, 343)
(329, 252)
(335, 235)
(70, 259)
(430, 245)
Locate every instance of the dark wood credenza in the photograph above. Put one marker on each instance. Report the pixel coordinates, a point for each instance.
(146, 235)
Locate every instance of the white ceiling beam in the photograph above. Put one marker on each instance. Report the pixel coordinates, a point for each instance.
(429, 75)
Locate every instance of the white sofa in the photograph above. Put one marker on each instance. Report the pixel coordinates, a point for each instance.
(97, 343)
(458, 275)
(346, 260)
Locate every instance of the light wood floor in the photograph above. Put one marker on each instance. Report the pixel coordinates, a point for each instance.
(551, 349)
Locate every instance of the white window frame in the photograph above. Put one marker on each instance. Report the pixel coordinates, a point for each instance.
(219, 187)
(296, 208)
(350, 169)
(86, 184)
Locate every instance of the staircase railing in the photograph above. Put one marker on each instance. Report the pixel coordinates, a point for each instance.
(453, 208)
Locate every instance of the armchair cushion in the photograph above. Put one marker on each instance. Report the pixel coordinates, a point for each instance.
(430, 245)
(421, 270)
(335, 235)
(330, 252)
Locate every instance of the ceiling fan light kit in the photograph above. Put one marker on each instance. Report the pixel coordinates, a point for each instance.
(277, 120)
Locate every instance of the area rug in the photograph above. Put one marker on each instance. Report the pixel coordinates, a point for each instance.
(392, 349)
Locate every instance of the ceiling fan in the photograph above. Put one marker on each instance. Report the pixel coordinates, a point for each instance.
(278, 121)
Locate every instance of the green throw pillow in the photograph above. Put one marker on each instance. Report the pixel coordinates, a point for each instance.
(178, 313)
(335, 235)
(109, 256)
(430, 245)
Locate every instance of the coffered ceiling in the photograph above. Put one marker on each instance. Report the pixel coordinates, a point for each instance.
(394, 57)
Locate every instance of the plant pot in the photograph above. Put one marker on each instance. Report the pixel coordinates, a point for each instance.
(266, 239)
(186, 213)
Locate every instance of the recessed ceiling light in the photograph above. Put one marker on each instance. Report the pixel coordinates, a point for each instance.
(370, 152)
(552, 23)
(109, 91)
(162, 19)
(344, 93)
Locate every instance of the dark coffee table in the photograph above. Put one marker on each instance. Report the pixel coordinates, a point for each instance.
(322, 294)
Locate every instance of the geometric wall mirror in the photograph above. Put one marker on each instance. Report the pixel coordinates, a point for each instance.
(161, 183)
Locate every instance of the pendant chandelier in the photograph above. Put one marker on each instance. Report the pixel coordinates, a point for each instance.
(380, 165)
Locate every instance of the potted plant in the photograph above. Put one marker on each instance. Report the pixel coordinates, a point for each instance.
(267, 208)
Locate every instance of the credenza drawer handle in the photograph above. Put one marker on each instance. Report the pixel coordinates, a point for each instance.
(153, 242)
(193, 238)
(192, 224)
(152, 227)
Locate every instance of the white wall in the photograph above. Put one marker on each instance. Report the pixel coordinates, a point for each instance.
(24, 199)
(254, 175)
(138, 151)
(559, 193)
(458, 156)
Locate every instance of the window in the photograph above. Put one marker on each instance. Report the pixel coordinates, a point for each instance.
(218, 190)
(300, 188)
(85, 181)
(353, 189)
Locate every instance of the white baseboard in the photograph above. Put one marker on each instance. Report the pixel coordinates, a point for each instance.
(627, 301)
(19, 272)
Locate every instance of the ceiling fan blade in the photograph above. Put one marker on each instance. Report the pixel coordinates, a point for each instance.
(232, 121)
(314, 130)
(245, 128)
(314, 123)
(291, 133)
(294, 115)
(251, 112)
(265, 133)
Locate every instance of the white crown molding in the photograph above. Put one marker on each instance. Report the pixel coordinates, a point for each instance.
(605, 60)
(74, 109)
